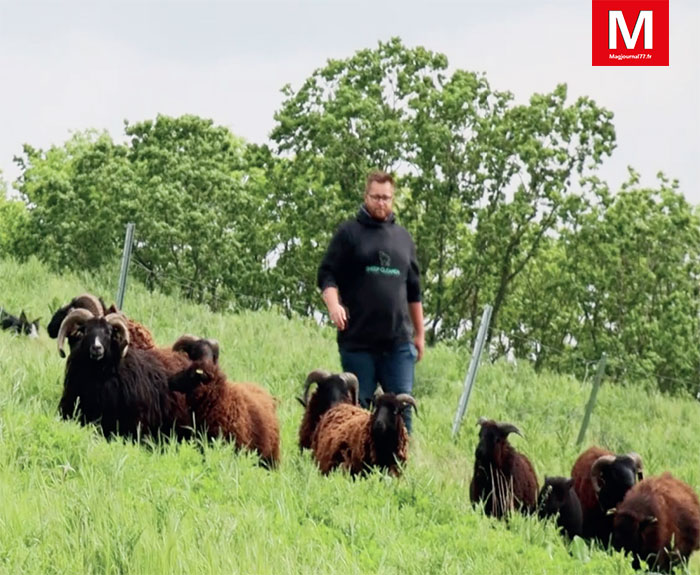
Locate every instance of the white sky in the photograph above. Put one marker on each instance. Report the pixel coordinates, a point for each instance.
(74, 65)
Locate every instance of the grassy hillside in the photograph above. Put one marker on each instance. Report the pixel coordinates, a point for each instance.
(75, 503)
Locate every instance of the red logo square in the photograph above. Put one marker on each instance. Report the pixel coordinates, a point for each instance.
(630, 32)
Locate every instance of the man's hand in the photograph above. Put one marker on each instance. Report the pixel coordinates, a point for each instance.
(419, 342)
(336, 311)
(339, 316)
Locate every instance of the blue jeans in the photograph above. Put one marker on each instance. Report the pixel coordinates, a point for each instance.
(393, 370)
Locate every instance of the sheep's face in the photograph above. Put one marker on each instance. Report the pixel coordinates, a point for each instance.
(198, 373)
(554, 495)
(333, 391)
(493, 436)
(616, 479)
(198, 349)
(635, 530)
(388, 414)
(96, 340)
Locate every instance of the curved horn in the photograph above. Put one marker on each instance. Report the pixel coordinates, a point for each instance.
(214, 344)
(183, 341)
(69, 322)
(406, 399)
(316, 376)
(89, 302)
(597, 469)
(118, 321)
(507, 428)
(351, 380)
(482, 420)
(639, 466)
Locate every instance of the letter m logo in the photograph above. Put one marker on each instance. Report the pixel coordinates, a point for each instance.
(617, 22)
(630, 32)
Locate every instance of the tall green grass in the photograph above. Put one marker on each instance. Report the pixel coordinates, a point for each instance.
(71, 502)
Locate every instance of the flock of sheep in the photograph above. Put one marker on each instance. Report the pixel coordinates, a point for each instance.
(607, 498)
(118, 378)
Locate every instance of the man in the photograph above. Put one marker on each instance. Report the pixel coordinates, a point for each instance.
(370, 284)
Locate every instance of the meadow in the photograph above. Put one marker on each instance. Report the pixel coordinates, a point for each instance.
(73, 502)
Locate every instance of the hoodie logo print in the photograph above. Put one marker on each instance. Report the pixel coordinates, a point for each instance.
(384, 268)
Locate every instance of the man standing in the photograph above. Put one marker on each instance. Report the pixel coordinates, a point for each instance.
(370, 284)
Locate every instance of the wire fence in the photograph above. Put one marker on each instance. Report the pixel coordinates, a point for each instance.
(256, 302)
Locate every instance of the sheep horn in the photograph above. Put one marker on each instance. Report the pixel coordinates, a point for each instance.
(507, 428)
(639, 466)
(118, 321)
(406, 399)
(482, 420)
(74, 317)
(89, 302)
(353, 384)
(316, 376)
(184, 340)
(214, 344)
(597, 469)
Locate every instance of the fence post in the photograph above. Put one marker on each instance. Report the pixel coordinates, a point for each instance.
(591, 400)
(473, 367)
(126, 258)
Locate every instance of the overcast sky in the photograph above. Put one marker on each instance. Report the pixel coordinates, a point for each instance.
(74, 65)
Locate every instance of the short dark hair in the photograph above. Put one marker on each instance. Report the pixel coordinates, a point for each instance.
(380, 177)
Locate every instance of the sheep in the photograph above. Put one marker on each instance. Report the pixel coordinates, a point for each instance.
(601, 480)
(356, 439)
(139, 335)
(241, 412)
(658, 522)
(19, 325)
(503, 478)
(331, 390)
(125, 390)
(558, 498)
(197, 348)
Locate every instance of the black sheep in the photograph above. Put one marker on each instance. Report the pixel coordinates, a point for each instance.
(558, 498)
(124, 390)
(332, 388)
(504, 479)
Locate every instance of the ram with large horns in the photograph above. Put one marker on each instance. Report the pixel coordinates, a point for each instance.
(601, 480)
(357, 440)
(331, 389)
(139, 334)
(108, 382)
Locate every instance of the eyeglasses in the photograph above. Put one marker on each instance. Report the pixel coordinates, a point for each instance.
(385, 199)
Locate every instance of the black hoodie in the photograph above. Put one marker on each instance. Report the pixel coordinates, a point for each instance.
(373, 264)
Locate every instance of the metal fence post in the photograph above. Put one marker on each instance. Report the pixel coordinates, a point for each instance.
(591, 400)
(126, 258)
(473, 367)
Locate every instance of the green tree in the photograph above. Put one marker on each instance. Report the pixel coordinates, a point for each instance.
(198, 213)
(621, 278)
(75, 199)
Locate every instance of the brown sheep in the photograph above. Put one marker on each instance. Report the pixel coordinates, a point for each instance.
(658, 522)
(241, 412)
(331, 389)
(503, 479)
(355, 439)
(601, 480)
